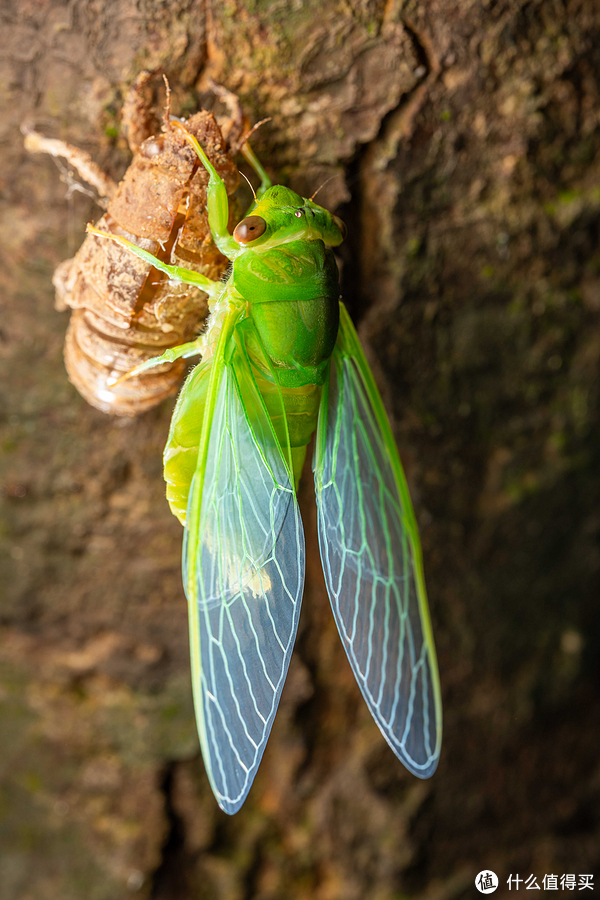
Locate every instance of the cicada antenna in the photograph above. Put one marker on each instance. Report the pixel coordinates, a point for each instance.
(331, 177)
(250, 183)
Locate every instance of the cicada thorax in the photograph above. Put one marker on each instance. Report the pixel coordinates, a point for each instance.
(297, 317)
(124, 310)
(288, 330)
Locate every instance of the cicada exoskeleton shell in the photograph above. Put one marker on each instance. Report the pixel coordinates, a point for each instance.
(124, 310)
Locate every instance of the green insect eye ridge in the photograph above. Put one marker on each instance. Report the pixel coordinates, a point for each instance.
(249, 229)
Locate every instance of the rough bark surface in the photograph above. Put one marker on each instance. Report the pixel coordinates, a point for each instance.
(465, 137)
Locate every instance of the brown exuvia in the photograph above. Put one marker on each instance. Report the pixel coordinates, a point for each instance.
(124, 310)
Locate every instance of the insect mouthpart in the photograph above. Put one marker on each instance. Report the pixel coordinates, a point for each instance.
(249, 229)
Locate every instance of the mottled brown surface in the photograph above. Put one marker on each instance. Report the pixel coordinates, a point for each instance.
(466, 137)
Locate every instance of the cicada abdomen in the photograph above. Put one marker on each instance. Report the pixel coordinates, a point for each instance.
(124, 310)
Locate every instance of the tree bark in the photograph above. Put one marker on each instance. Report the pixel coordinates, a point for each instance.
(464, 141)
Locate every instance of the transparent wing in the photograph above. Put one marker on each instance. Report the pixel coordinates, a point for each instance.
(244, 574)
(372, 559)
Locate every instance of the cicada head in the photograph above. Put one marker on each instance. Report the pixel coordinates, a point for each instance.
(282, 215)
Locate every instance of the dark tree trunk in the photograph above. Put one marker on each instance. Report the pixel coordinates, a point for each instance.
(465, 141)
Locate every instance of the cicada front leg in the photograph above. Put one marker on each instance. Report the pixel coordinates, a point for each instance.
(187, 276)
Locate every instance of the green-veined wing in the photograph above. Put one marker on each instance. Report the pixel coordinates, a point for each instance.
(243, 567)
(372, 559)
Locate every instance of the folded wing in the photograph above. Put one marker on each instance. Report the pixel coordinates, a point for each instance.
(372, 559)
(244, 573)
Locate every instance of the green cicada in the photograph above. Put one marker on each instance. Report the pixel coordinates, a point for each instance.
(281, 360)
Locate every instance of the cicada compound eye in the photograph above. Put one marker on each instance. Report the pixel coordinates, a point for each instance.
(249, 229)
(341, 226)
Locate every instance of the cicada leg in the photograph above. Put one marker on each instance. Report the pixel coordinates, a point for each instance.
(210, 287)
(238, 135)
(81, 161)
(217, 201)
(183, 351)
